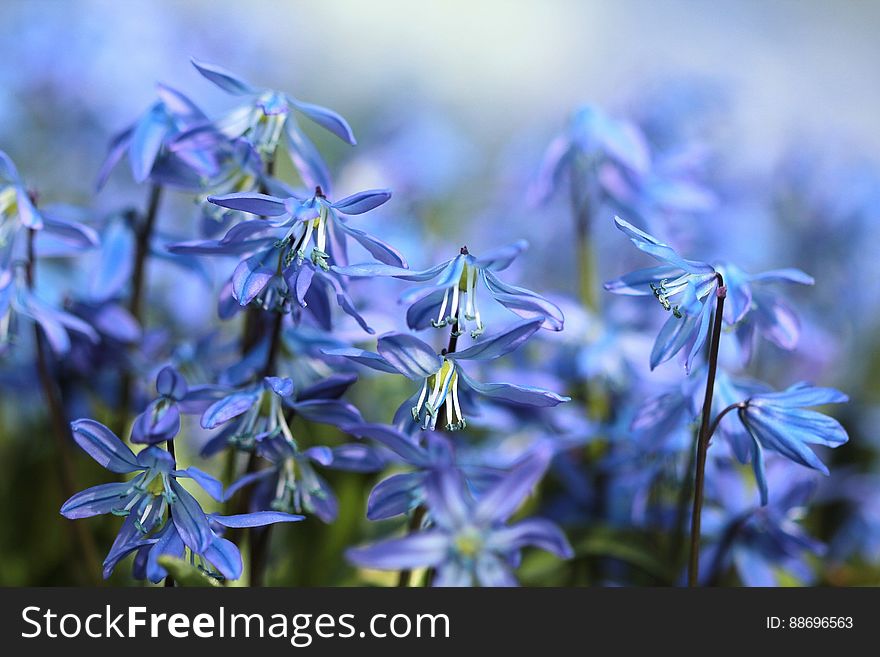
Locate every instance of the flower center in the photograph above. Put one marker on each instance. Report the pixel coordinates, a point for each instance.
(440, 391)
(468, 543)
(459, 304)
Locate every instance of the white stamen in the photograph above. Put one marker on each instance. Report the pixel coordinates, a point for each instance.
(441, 321)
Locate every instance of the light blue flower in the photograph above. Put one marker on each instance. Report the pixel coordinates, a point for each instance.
(452, 296)
(444, 383)
(469, 541)
(685, 288)
(268, 117)
(782, 422)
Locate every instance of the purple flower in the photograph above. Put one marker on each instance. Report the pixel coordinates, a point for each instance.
(148, 143)
(760, 542)
(594, 147)
(291, 249)
(683, 287)
(257, 412)
(161, 419)
(292, 484)
(452, 296)
(146, 498)
(17, 301)
(403, 492)
(753, 309)
(268, 117)
(782, 422)
(469, 541)
(444, 381)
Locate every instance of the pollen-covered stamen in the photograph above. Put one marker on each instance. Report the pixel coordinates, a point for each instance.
(471, 311)
(661, 293)
(444, 390)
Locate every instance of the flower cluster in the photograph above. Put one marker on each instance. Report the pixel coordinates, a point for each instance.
(278, 396)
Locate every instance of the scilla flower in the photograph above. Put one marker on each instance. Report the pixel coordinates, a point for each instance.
(161, 419)
(16, 206)
(268, 117)
(468, 541)
(754, 309)
(149, 145)
(767, 545)
(256, 413)
(312, 228)
(18, 302)
(782, 422)
(404, 491)
(291, 484)
(444, 383)
(683, 288)
(149, 495)
(293, 247)
(594, 147)
(451, 297)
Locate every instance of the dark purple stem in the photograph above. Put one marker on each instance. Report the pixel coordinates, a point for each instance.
(60, 426)
(705, 435)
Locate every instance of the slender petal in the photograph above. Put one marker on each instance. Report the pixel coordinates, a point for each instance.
(102, 445)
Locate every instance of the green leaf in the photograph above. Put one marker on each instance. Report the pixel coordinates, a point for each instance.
(184, 573)
(626, 547)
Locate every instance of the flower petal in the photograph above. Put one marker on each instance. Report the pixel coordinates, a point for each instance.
(362, 201)
(408, 355)
(96, 500)
(499, 344)
(327, 119)
(252, 202)
(426, 548)
(224, 79)
(500, 502)
(102, 445)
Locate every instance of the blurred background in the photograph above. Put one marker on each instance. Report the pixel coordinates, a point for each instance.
(453, 104)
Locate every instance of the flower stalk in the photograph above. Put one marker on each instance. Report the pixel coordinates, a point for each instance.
(143, 237)
(415, 521)
(60, 426)
(705, 435)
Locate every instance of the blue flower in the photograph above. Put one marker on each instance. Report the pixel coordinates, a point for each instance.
(161, 517)
(16, 206)
(592, 141)
(150, 142)
(468, 541)
(145, 498)
(683, 287)
(292, 484)
(452, 297)
(760, 542)
(444, 381)
(268, 117)
(161, 419)
(292, 248)
(753, 309)
(782, 422)
(17, 301)
(258, 410)
(402, 492)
